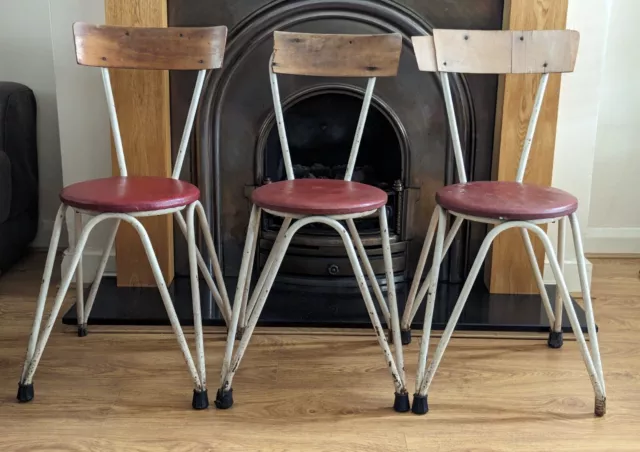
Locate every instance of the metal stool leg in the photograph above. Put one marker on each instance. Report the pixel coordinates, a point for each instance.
(220, 296)
(166, 299)
(401, 403)
(457, 310)
(555, 335)
(224, 396)
(601, 398)
(355, 237)
(200, 399)
(25, 389)
(82, 327)
(541, 287)
(420, 404)
(415, 300)
(38, 341)
(100, 272)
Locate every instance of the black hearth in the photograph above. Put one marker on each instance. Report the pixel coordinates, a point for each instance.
(405, 151)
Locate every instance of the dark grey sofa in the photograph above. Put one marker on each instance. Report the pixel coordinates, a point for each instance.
(18, 172)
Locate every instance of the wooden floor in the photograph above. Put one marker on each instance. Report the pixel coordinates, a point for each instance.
(126, 391)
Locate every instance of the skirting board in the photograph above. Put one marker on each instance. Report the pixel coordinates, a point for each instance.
(612, 240)
(571, 274)
(90, 261)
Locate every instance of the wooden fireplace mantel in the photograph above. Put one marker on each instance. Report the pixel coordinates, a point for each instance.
(508, 270)
(142, 100)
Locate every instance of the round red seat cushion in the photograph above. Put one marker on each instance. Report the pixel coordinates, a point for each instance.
(129, 194)
(503, 200)
(319, 197)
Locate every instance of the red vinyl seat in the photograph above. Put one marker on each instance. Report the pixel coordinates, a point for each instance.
(506, 200)
(319, 197)
(129, 194)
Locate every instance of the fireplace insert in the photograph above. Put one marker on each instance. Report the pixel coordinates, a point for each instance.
(320, 126)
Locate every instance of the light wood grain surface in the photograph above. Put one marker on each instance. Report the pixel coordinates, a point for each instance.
(509, 270)
(335, 55)
(142, 103)
(314, 391)
(176, 48)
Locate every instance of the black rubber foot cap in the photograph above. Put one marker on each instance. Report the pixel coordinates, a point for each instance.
(200, 400)
(555, 339)
(82, 330)
(25, 393)
(224, 399)
(420, 404)
(601, 407)
(405, 336)
(401, 403)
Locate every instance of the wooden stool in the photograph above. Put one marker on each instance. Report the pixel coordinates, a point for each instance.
(503, 204)
(127, 198)
(319, 200)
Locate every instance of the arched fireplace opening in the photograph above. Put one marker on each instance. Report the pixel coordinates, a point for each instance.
(320, 123)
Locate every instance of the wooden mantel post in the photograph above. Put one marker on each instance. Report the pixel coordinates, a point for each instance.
(508, 269)
(142, 104)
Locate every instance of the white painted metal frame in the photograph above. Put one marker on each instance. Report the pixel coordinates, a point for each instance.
(38, 339)
(250, 308)
(437, 227)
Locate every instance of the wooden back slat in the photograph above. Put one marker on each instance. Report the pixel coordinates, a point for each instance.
(333, 55)
(149, 48)
(497, 52)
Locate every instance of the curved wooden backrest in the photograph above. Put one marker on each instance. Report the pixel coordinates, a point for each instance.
(333, 55)
(497, 52)
(149, 48)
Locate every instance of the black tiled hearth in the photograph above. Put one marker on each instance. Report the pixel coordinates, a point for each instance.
(344, 308)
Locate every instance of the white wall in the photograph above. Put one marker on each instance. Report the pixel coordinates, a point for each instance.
(26, 57)
(614, 217)
(578, 111)
(82, 114)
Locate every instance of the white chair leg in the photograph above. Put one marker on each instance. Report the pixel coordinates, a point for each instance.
(230, 366)
(600, 405)
(99, 273)
(455, 314)
(407, 316)
(251, 304)
(423, 290)
(553, 340)
(38, 341)
(595, 376)
(25, 390)
(247, 285)
(82, 328)
(555, 337)
(200, 399)
(355, 237)
(401, 403)
(223, 304)
(419, 405)
(224, 395)
(168, 303)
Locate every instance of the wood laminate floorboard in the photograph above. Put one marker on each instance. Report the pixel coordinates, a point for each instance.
(297, 390)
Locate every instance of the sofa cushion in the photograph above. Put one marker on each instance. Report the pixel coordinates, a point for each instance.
(5, 187)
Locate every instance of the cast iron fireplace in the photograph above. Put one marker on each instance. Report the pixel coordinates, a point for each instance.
(405, 151)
